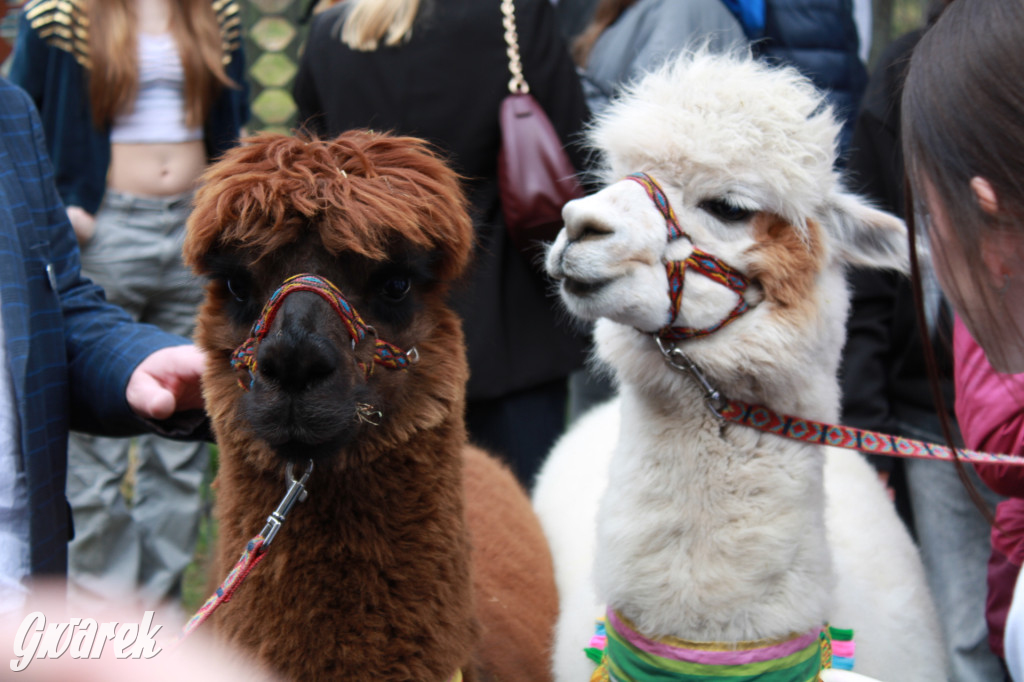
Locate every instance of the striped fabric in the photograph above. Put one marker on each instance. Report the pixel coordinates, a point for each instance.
(629, 656)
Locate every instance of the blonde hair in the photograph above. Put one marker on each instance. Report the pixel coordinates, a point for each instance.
(606, 13)
(114, 77)
(370, 21)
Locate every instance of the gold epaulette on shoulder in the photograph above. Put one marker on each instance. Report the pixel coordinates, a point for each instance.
(63, 24)
(229, 16)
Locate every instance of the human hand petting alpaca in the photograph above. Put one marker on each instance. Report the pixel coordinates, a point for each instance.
(167, 381)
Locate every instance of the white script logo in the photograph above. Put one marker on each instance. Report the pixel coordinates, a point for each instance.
(84, 639)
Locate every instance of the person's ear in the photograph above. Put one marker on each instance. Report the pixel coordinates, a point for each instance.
(985, 195)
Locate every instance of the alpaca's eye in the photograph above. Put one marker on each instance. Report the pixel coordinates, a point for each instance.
(396, 288)
(239, 288)
(725, 210)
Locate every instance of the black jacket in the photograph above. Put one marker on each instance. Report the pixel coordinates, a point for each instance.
(884, 378)
(445, 85)
(819, 37)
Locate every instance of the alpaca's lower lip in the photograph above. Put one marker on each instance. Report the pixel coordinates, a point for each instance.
(294, 450)
(292, 442)
(578, 287)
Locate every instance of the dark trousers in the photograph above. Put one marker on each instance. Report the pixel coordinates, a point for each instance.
(520, 428)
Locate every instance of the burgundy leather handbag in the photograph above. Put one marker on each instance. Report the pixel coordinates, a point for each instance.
(535, 176)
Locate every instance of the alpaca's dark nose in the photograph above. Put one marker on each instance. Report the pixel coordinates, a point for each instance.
(296, 360)
(294, 356)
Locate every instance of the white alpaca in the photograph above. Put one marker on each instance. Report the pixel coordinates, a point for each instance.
(708, 531)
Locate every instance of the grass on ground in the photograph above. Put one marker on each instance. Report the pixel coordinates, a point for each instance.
(197, 583)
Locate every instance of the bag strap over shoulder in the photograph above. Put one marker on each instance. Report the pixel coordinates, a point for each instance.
(517, 84)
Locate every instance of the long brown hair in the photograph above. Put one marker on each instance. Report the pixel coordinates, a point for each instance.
(605, 14)
(114, 76)
(961, 107)
(961, 118)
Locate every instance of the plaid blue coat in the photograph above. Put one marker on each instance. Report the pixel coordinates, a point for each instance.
(70, 352)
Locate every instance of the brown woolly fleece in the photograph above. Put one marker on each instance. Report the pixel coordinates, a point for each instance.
(415, 554)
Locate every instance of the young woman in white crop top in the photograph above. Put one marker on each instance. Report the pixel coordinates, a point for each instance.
(154, 152)
(152, 75)
(148, 165)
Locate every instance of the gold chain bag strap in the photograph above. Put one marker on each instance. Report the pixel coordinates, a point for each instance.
(535, 176)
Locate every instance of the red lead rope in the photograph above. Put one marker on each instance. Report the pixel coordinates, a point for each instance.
(820, 433)
(850, 438)
(253, 554)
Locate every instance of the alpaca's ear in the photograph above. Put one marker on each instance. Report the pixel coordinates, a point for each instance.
(865, 236)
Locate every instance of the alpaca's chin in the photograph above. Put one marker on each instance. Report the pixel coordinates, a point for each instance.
(298, 451)
(298, 430)
(581, 289)
(294, 441)
(607, 302)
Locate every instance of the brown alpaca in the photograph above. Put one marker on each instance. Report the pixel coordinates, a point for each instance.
(415, 555)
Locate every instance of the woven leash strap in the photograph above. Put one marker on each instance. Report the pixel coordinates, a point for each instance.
(700, 261)
(850, 438)
(254, 552)
(384, 353)
(252, 555)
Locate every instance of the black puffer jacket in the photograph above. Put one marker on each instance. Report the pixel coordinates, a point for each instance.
(819, 37)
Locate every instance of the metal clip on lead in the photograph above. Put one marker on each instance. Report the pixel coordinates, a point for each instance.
(296, 493)
(679, 361)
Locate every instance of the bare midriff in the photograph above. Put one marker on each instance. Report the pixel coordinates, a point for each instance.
(156, 169)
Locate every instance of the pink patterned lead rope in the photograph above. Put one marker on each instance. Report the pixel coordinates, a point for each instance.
(252, 555)
(384, 353)
(850, 438)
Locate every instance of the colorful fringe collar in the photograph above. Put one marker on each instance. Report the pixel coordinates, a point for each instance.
(624, 655)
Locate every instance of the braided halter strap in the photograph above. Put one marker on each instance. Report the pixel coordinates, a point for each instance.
(850, 438)
(384, 353)
(700, 261)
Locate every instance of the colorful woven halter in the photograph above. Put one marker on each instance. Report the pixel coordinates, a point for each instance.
(625, 655)
(384, 353)
(700, 261)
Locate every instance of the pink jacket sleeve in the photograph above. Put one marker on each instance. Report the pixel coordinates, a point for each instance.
(990, 411)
